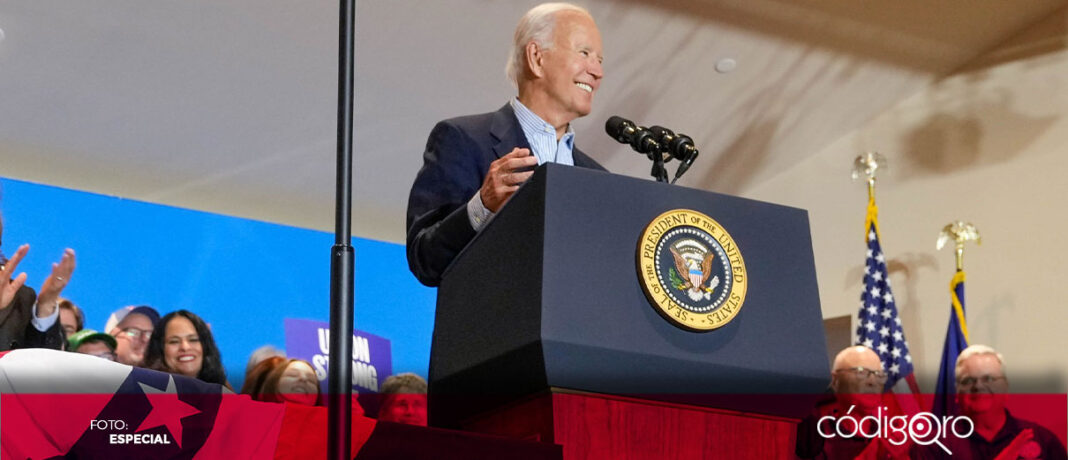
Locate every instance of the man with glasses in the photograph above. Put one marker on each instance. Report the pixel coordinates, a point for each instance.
(982, 391)
(132, 327)
(857, 381)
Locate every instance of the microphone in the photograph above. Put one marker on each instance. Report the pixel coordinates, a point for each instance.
(626, 132)
(678, 146)
(691, 156)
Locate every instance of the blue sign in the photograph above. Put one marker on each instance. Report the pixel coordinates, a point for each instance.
(372, 360)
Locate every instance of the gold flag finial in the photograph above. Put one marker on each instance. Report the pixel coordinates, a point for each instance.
(865, 166)
(959, 232)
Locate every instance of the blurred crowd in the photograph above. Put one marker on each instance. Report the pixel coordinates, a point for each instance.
(179, 342)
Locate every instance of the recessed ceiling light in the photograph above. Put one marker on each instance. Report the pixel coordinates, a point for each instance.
(726, 65)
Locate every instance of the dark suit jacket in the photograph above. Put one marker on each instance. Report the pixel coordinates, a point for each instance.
(458, 154)
(16, 330)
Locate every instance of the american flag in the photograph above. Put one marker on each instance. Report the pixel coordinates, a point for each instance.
(878, 324)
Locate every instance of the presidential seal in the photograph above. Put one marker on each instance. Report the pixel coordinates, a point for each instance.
(691, 270)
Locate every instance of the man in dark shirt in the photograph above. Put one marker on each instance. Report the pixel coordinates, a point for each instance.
(29, 320)
(982, 390)
(857, 381)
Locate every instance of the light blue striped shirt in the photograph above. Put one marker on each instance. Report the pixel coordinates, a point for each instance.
(542, 137)
(543, 144)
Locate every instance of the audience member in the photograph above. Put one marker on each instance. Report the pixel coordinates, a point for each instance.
(185, 346)
(71, 317)
(404, 400)
(982, 391)
(288, 380)
(260, 354)
(29, 320)
(255, 376)
(90, 342)
(132, 327)
(857, 380)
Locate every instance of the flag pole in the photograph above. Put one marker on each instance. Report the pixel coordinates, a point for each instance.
(865, 166)
(957, 328)
(342, 258)
(960, 233)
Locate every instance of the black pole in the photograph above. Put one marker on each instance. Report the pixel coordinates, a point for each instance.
(339, 400)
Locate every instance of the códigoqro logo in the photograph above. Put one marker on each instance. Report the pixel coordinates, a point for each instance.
(923, 428)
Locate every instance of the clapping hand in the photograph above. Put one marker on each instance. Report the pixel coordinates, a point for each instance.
(8, 285)
(48, 296)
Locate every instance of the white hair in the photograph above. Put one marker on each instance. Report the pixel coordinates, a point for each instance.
(976, 350)
(261, 354)
(535, 26)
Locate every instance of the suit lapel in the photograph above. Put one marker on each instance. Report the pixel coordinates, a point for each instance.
(20, 297)
(507, 132)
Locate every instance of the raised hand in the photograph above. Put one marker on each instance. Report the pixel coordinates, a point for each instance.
(9, 286)
(48, 296)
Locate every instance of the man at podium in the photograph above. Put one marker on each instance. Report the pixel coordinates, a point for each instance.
(473, 164)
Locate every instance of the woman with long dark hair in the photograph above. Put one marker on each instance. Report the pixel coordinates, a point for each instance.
(183, 344)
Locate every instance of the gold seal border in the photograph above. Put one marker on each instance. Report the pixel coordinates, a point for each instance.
(656, 293)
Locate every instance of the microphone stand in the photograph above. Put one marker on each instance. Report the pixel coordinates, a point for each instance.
(659, 171)
(342, 258)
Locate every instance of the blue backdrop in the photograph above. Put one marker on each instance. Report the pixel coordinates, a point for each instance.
(242, 276)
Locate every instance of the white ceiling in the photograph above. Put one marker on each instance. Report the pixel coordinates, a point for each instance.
(230, 106)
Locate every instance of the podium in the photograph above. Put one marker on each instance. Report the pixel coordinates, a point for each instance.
(545, 307)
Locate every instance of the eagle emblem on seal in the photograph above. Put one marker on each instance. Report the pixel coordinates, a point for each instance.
(692, 272)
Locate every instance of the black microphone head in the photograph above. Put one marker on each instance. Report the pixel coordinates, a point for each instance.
(643, 141)
(682, 147)
(619, 128)
(663, 134)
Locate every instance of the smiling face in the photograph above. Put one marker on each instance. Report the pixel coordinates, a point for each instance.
(182, 352)
(981, 385)
(299, 384)
(567, 74)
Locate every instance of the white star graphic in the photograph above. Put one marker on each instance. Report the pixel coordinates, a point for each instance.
(879, 257)
(867, 343)
(878, 276)
(881, 348)
(874, 292)
(886, 313)
(897, 335)
(871, 235)
(869, 254)
(896, 352)
(870, 326)
(897, 321)
(872, 310)
(885, 331)
(894, 368)
(888, 297)
(908, 358)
